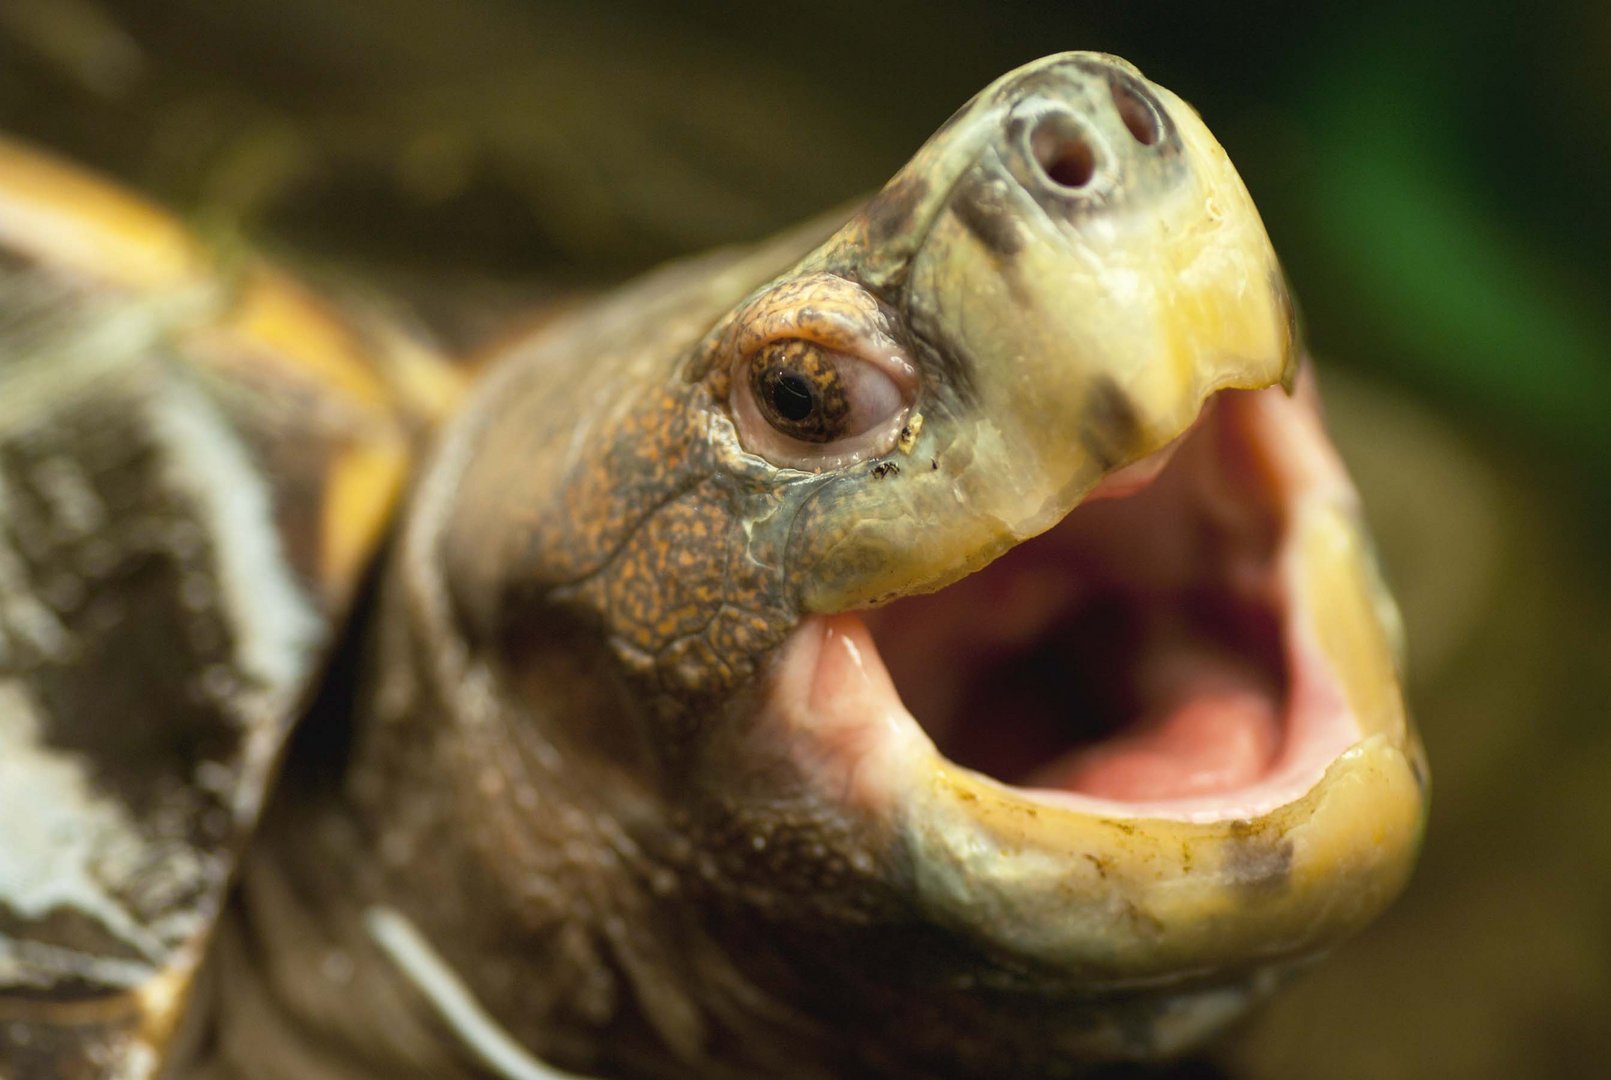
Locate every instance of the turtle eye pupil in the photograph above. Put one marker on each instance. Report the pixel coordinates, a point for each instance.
(791, 397)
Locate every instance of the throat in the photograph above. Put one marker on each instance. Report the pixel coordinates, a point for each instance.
(1125, 698)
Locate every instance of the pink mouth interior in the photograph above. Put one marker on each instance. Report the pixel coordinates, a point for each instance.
(1139, 651)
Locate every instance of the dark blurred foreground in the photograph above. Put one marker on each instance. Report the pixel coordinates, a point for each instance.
(1435, 181)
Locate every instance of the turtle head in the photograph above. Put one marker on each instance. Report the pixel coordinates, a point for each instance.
(1065, 273)
(973, 622)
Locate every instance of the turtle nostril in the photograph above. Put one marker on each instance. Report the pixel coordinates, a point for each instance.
(1137, 115)
(1064, 155)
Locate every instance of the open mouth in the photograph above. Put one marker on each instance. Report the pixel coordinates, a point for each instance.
(1147, 656)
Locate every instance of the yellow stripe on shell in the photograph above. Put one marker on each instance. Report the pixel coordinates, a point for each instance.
(64, 216)
(276, 310)
(361, 488)
(68, 218)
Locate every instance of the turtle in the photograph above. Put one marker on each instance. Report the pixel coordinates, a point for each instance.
(939, 641)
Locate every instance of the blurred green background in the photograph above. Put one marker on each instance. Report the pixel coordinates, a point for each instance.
(1437, 177)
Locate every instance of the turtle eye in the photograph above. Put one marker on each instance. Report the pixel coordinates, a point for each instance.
(800, 389)
(820, 407)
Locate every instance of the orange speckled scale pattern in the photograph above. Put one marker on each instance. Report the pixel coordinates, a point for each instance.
(824, 308)
(647, 455)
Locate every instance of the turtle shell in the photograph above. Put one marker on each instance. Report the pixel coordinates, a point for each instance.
(198, 457)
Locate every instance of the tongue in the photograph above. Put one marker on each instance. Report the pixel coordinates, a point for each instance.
(1210, 725)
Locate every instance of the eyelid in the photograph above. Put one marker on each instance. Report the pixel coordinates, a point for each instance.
(829, 311)
(895, 364)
